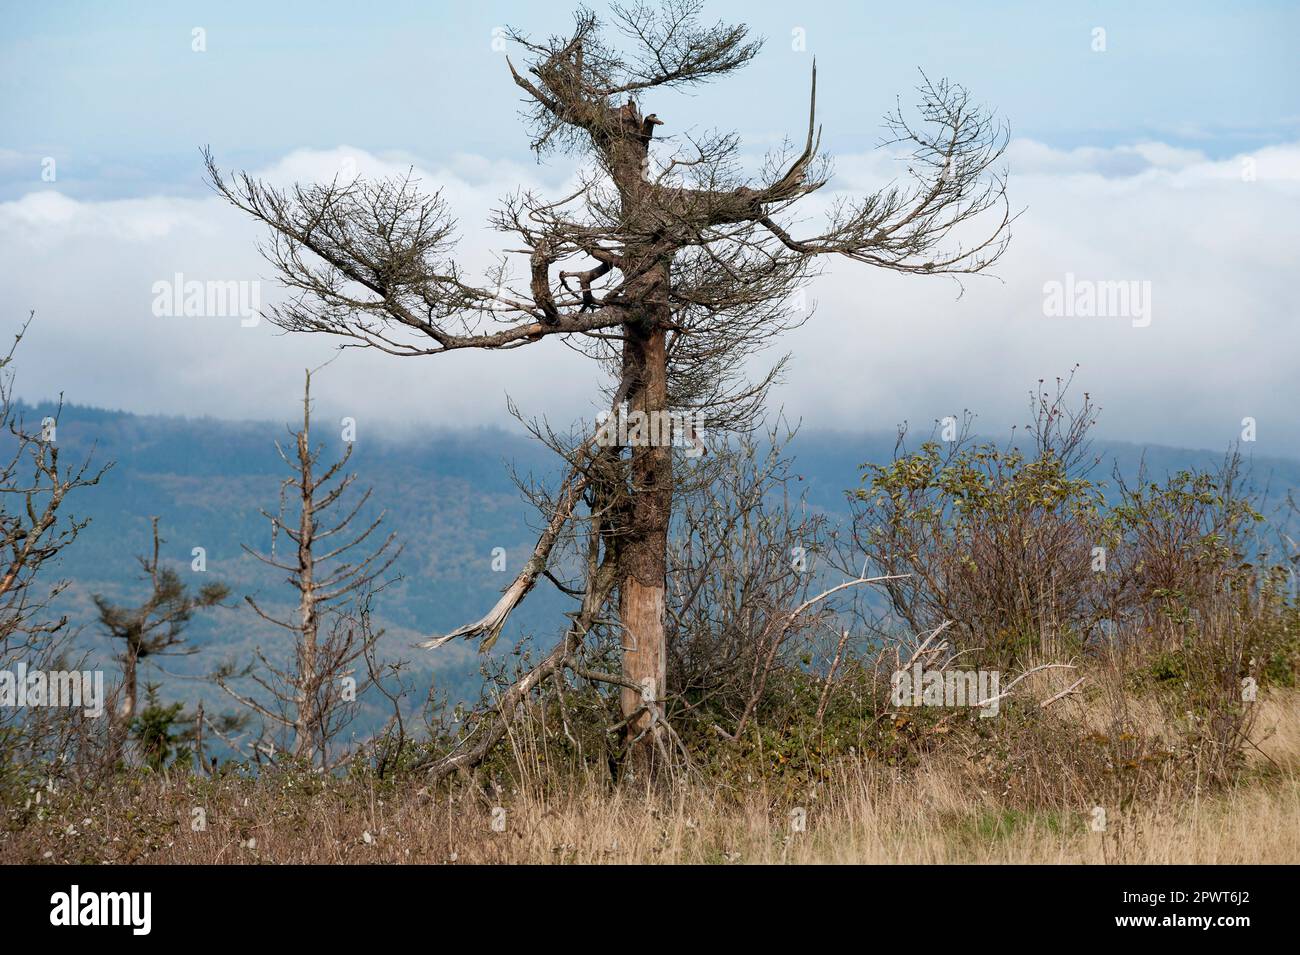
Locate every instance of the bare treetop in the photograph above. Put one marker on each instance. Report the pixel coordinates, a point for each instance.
(371, 261)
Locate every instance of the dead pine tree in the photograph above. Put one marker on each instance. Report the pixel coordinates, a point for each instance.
(333, 577)
(155, 627)
(667, 264)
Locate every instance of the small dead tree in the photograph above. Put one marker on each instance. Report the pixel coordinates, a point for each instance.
(334, 578)
(34, 529)
(155, 627)
(32, 478)
(668, 266)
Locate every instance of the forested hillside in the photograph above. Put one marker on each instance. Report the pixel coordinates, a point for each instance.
(448, 495)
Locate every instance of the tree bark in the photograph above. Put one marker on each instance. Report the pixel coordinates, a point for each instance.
(305, 729)
(126, 712)
(643, 530)
(120, 730)
(643, 558)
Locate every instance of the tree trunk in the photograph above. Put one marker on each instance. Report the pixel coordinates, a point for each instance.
(643, 557)
(305, 717)
(643, 530)
(121, 728)
(126, 712)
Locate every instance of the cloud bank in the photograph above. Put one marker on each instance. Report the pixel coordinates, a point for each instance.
(1215, 240)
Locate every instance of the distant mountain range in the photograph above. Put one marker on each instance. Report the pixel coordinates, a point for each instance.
(448, 494)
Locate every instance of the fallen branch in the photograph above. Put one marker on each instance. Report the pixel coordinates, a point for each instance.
(1066, 692)
(519, 691)
(787, 621)
(1032, 670)
(490, 626)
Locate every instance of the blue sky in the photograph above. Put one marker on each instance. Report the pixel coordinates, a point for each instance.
(116, 94)
(1131, 165)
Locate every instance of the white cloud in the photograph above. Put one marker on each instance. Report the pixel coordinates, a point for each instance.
(1217, 250)
(1028, 157)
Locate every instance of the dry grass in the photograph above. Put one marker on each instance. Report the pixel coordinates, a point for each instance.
(863, 814)
(1277, 732)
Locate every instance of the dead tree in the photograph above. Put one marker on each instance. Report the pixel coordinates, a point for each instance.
(666, 264)
(155, 627)
(333, 581)
(30, 533)
(35, 527)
